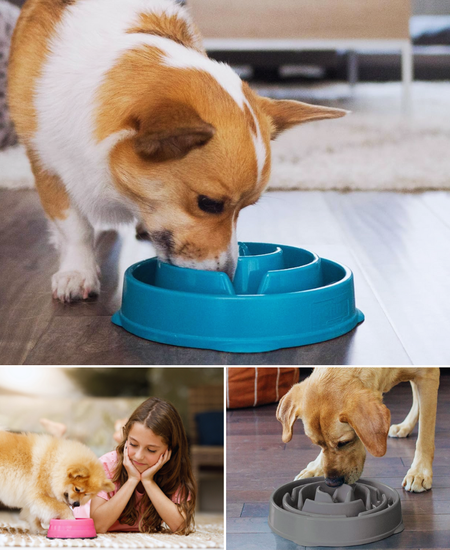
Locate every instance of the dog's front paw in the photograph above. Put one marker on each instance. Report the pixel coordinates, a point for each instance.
(66, 514)
(312, 470)
(418, 479)
(68, 286)
(400, 430)
(38, 531)
(36, 528)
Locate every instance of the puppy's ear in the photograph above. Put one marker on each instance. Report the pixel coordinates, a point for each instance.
(289, 409)
(370, 419)
(78, 471)
(169, 131)
(286, 113)
(108, 486)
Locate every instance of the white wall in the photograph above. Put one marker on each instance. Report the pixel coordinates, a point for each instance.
(431, 7)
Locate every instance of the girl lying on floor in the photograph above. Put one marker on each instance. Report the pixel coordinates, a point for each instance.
(155, 489)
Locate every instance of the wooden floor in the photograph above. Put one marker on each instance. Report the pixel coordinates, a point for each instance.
(258, 462)
(396, 244)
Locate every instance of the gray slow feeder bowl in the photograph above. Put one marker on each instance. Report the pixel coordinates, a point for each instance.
(310, 513)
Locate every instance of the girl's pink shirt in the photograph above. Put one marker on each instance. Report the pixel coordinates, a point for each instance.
(109, 461)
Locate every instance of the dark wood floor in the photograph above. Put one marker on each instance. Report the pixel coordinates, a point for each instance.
(258, 462)
(396, 244)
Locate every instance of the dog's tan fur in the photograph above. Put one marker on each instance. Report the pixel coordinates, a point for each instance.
(343, 412)
(25, 64)
(45, 475)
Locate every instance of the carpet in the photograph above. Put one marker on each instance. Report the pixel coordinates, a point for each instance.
(373, 148)
(15, 170)
(207, 535)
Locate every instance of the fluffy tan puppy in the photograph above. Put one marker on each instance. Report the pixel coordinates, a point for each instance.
(343, 413)
(45, 476)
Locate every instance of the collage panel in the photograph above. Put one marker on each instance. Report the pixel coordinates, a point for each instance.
(366, 466)
(224, 182)
(112, 457)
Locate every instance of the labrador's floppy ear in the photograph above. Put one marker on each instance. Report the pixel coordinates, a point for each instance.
(169, 131)
(286, 113)
(289, 409)
(370, 419)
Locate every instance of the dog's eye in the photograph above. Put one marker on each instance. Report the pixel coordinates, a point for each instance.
(343, 444)
(210, 206)
(77, 490)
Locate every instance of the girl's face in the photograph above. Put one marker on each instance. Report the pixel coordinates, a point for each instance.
(144, 447)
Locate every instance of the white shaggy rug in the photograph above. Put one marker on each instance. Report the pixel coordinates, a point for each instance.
(15, 170)
(207, 535)
(373, 148)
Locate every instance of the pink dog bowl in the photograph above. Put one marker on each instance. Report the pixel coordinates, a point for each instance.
(72, 529)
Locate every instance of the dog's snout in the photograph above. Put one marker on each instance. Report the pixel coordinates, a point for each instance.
(76, 504)
(335, 481)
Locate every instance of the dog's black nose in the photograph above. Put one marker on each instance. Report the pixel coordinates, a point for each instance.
(75, 504)
(335, 481)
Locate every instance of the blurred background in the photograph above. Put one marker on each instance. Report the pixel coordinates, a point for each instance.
(426, 22)
(89, 401)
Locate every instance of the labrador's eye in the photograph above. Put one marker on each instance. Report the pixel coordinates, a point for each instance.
(343, 444)
(210, 206)
(77, 490)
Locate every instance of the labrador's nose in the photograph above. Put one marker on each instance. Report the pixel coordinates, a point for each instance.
(334, 481)
(76, 504)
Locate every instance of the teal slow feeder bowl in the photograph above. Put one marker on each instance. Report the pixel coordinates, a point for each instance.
(281, 297)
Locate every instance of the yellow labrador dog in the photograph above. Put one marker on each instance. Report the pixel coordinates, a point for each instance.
(342, 411)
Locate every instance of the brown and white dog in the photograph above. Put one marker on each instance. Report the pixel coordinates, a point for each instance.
(342, 411)
(124, 117)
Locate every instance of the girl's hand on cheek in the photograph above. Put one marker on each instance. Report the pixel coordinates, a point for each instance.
(148, 474)
(129, 466)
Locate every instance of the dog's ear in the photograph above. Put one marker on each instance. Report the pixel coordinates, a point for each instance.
(108, 486)
(285, 113)
(370, 419)
(78, 471)
(289, 409)
(169, 131)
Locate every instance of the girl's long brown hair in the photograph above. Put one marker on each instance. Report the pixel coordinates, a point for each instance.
(176, 474)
